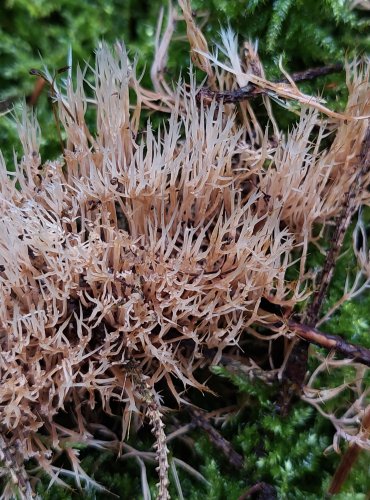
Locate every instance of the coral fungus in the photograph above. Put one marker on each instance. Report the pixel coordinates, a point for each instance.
(139, 256)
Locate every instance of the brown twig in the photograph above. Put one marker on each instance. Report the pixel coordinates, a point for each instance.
(348, 459)
(358, 353)
(6, 105)
(343, 222)
(200, 420)
(296, 366)
(312, 73)
(264, 491)
(250, 91)
(313, 336)
(31, 100)
(38, 87)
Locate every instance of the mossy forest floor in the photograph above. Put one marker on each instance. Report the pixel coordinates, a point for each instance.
(242, 438)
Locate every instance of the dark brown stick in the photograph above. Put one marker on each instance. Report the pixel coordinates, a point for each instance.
(34, 97)
(343, 222)
(6, 105)
(264, 490)
(358, 353)
(31, 100)
(312, 73)
(250, 91)
(199, 419)
(310, 334)
(296, 366)
(348, 459)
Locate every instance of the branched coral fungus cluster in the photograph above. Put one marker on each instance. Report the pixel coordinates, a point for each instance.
(139, 256)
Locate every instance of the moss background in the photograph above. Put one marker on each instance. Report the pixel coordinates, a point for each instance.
(285, 452)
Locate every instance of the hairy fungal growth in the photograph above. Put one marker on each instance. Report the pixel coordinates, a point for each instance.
(140, 256)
